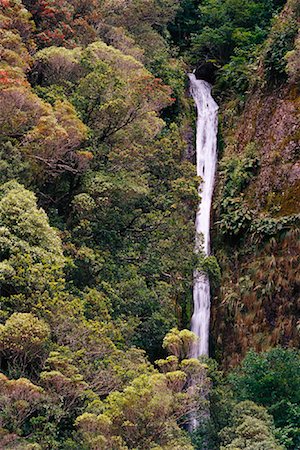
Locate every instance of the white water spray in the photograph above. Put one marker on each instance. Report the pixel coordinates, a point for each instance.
(206, 154)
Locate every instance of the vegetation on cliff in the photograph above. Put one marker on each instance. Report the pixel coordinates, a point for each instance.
(98, 196)
(257, 202)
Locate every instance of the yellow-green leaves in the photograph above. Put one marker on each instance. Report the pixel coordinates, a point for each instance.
(143, 416)
(23, 341)
(179, 343)
(30, 250)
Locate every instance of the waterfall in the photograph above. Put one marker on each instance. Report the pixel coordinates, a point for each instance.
(206, 154)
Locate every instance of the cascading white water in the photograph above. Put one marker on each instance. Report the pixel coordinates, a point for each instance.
(206, 154)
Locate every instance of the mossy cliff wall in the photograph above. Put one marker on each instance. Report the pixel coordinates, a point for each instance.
(256, 209)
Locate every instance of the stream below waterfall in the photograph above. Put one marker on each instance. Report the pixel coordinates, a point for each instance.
(206, 157)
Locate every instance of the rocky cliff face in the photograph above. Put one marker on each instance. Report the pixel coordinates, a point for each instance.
(271, 121)
(257, 205)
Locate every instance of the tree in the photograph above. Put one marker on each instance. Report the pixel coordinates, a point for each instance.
(179, 343)
(226, 26)
(50, 138)
(19, 400)
(118, 98)
(272, 379)
(21, 109)
(55, 141)
(23, 342)
(252, 429)
(227, 37)
(65, 23)
(142, 416)
(63, 382)
(282, 40)
(56, 65)
(16, 18)
(143, 19)
(31, 251)
(187, 375)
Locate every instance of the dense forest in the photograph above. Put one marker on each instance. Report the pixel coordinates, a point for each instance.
(98, 197)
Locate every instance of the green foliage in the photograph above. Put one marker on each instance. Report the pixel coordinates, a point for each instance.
(236, 173)
(210, 266)
(138, 191)
(266, 227)
(125, 220)
(20, 400)
(236, 76)
(292, 59)
(89, 92)
(149, 402)
(23, 341)
(57, 66)
(227, 26)
(172, 72)
(31, 251)
(281, 42)
(251, 429)
(12, 163)
(272, 379)
(221, 403)
(185, 23)
(227, 33)
(179, 343)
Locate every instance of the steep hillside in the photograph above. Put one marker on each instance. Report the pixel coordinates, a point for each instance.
(98, 198)
(257, 203)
